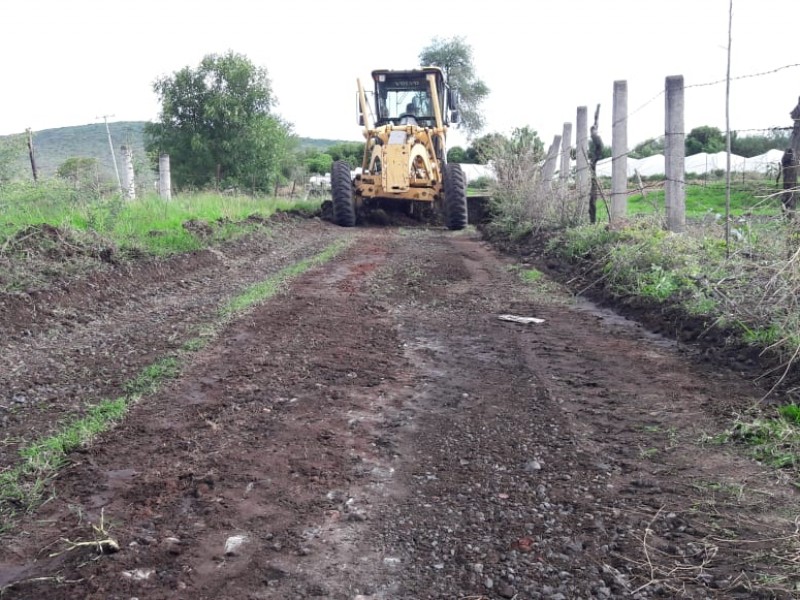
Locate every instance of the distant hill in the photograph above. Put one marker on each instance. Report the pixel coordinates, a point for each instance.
(54, 146)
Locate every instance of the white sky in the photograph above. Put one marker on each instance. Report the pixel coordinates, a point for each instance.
(68, 62)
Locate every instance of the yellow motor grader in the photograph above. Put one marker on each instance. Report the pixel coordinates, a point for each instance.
(405, 157)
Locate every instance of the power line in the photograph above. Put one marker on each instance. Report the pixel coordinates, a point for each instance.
(111, 147)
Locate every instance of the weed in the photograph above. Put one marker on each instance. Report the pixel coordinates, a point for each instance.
(773, 440)
(151, 377)
(790, 412)
(530, 275)
(648, 452)
(764, 336)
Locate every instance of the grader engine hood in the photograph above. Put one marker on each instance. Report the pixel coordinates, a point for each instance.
(396, 152)
(403, 159)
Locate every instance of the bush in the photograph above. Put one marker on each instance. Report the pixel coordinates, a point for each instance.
(523, 202)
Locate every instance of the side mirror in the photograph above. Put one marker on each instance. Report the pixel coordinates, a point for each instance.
(455, 99)
(455, 117)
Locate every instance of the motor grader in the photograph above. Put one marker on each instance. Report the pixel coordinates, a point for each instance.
(405, 156)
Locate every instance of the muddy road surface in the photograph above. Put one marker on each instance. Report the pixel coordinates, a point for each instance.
(375, 431)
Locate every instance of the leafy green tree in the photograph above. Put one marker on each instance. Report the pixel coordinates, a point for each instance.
(482, 149)
(526, 141)
(649, 147)
(317, 162)
(82, 172)
(457, 154)
(352, 152)
(77, 168)
(753, 145)
(216, 125)
(704, 139)
(454, 56)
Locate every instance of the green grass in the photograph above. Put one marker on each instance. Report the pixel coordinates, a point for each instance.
(25, 486)
(263, 290)
(50, 453)
(763, 336)
(530, 275)
(746, 198)
(149, 224)
(151, 377)
(774, 441)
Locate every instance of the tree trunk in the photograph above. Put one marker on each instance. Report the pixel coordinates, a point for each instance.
(789, 166)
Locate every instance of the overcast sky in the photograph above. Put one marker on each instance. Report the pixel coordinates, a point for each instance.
(69, 62)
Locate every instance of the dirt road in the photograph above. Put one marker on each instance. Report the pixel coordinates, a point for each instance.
(376, 431)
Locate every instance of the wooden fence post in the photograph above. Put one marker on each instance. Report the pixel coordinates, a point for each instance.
(32, 156)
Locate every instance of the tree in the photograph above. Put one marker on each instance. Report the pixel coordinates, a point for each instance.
(649, 147)
(704, 139)
(753, 145)
(82, 172)
(352, 152)
(317, 162)
(216, 125)
(454, 57)
(457, 154)
(481, 149)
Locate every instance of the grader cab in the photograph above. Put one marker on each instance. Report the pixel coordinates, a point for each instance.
(405, 157)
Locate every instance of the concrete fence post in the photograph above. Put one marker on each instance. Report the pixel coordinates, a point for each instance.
(619, 152)
(582, 158)
(566, 148)
(129, 183)
(164, 181)
(675, 156)
(549, 169)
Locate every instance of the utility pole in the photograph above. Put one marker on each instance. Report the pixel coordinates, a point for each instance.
(113, 156)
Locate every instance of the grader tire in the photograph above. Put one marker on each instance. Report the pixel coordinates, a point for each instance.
(455, 197)
(344, 210)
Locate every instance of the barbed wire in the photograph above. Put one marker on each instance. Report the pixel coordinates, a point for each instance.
(739, 77)
(710, 83)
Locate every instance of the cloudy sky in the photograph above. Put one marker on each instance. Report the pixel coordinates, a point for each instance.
(69, 62)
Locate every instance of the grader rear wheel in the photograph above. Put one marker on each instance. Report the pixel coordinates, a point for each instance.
(344, 210)
(455, 197)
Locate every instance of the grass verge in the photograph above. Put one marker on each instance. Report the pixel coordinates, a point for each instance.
(773, 440)
(147, 223)
(26, 486)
